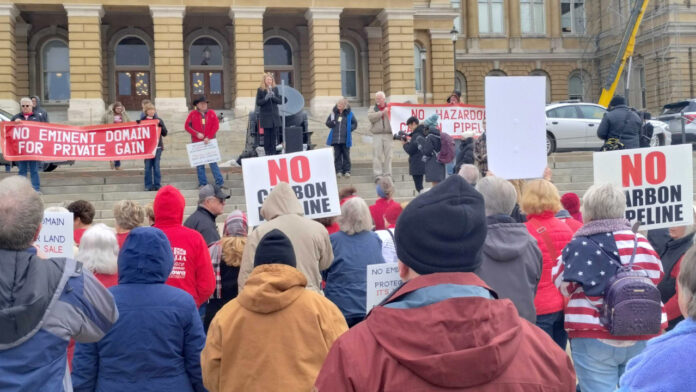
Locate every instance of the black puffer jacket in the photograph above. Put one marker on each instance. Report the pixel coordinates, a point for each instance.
(204, 222)
(622, 123)
(430, 146)
(416, 166)
(465, 154)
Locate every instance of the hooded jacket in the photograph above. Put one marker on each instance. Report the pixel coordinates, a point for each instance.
(44, 303)
(622, 123)
(310, 240)
(156, 343)
(108, 117)
(273, 337)
(430, 146)
(39, 110)
(511, 263)
(193, 270)
(445, 332)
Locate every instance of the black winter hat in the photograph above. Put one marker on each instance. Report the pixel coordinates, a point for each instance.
(443, 229)
(200, 98)
(617, 100)
(275, 248)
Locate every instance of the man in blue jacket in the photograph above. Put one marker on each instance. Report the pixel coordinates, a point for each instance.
(43, 302)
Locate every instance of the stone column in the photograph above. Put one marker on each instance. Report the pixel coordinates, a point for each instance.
(22, 61)
(472, 26)
(248, 56)
(303, 38)
(514, 26)
(553, 24)
(169, 85)
(397, 54)
(86, 78)
(442, 67)
(8, 62)
(324, 59)
(374, 53)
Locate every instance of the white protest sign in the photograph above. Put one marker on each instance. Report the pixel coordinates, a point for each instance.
(516, 126)
(382, 279)
(310, 173)
(56, 235)
(658, 183)
(201, 153)
(452, 119)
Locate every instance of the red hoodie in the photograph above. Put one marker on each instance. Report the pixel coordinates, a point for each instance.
(378, 209)
(460, 343)
(194, 124)
(193, 270)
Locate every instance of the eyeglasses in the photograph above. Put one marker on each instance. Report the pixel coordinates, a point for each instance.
(26, 106)
(222, 201)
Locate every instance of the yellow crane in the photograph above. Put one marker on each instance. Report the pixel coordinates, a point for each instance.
(625, 51)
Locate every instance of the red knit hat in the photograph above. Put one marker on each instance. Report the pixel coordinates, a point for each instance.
(571, 202)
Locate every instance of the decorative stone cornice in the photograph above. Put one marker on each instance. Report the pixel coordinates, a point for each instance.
(9, 10)
(440, 34)
(247, 12)
(324, 13)
(89, 10)
(173, 11)
(395, 14)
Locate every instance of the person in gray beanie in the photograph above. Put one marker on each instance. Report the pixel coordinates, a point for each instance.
(443, 318)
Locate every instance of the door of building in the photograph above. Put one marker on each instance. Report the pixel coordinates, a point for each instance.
(208, 83)
(132, 87)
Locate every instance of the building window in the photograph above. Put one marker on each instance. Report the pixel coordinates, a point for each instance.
(539, 72)
(496, 72)
(349, 85)
(578, 85)
(206, 71)
(277, 59)
(418, 58)
(457, 5)
(205, 51)
(573, 16)
(532, 16)
(132, 51)
(460, 85)
(491, 16)
(55, 61)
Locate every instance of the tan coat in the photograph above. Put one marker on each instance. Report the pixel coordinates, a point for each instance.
(273, 337)
(313, 250)
(378, 124)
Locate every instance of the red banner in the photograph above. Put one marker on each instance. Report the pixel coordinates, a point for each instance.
(37, 141)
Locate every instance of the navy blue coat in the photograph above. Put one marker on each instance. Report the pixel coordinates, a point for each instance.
(156, 343)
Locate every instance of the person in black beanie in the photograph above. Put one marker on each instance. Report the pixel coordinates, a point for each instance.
(622, 123)
(275, 248)
(444, 318)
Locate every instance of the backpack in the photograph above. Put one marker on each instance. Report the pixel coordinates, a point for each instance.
(446, 153)
(632, 303)
(646, 134)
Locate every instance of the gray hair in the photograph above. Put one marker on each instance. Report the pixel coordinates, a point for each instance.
(687, 280)
(21, 212)
(385, 182)
(344, 101)
(27, 100)
(603, 201)
(99, 249)
(470, 173)
(56, 209)
(128, 214)
(499, 195)
(378, 93)
(355, 216)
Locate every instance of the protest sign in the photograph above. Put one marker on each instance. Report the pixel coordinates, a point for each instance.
(453, 119)
(201, 153)
(382, 279)
(516, 126)
(658, 183)
(310, 174)
(56, 235)
(37, 141)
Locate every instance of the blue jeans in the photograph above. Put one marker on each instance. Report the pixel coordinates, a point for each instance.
(152, 170)
(552, 324)
(33, 168)
(202, 180)
(117, 163)
(599, 365)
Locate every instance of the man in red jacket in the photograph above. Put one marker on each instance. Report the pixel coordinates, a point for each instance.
(444, 329)
(193, 270)
(202, 123)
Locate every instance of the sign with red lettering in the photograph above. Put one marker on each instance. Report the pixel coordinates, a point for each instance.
(311, 175)
(37, 141)
(456, 120)
(658, 183)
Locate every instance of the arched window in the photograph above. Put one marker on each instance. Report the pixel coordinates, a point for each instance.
(578, 84)
(206, 69)
(55, 62)
(496, 72)
(132, 51)
(349, 83)
(277, 59)
(540, 72)
(460, 84)
(418, 59)
(132, 60)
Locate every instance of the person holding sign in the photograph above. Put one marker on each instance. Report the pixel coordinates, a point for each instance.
(267, 99)
(115, 114)
(153, 177)
(444, 329)
(342, 122)
(32, 167)
(202, 123)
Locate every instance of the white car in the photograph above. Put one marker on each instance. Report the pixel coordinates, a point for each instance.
(573, 126)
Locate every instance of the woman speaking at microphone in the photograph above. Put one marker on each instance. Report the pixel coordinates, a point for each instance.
(268, 99)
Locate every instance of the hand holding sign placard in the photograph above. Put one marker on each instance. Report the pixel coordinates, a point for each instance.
(658, 183)
(56, 235)
(203, 153)
(309, 173)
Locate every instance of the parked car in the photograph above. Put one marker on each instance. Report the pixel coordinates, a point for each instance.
(573, 125)
(45, 166)
(671, 114)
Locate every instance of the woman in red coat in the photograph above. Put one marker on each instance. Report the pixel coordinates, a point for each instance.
(385, 191)
(541, 202)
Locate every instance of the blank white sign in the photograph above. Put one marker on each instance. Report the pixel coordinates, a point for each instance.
(516, 126)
